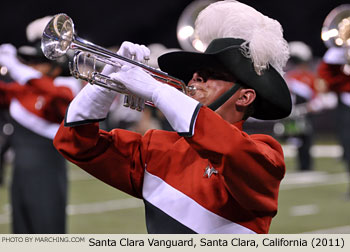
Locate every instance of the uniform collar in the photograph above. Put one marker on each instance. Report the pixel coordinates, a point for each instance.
(239, 124)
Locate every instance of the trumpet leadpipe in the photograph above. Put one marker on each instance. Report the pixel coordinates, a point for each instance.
(59, 36)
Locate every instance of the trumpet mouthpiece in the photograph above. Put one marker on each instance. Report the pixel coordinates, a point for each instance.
(191, 90)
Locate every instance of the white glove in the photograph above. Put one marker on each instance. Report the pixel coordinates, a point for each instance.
(128, 50)
(136, 52)
(137, 81)
(93, 102)
(336, 56)
(18, 71)
(7, 50)
(179, 109)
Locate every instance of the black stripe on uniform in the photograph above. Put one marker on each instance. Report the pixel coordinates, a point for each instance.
(194, 116)
(158, 222)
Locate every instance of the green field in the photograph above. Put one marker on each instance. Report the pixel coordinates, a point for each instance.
(309, 202)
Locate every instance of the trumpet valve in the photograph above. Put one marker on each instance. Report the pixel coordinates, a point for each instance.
(134, 102)
(126, 101)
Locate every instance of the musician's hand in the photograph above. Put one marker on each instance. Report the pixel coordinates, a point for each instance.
(137, 81)
(336, 55)
(139, 53)
(178, 108)
(8, 55)
(18, 71)
(136, 52)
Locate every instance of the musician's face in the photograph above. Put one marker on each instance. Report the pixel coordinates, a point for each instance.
(209, 86)
(47, 69)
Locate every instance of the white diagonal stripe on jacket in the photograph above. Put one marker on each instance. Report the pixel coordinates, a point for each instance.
(185, 210)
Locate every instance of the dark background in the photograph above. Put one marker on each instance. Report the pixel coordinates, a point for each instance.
(108, 23)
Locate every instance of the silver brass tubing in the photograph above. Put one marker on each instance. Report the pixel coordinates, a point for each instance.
(59, 36)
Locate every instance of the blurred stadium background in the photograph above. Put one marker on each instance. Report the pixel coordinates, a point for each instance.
(109, 23)
(308, 202)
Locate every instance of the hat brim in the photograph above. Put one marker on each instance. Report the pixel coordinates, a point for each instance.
(31, 53)
(274, 101)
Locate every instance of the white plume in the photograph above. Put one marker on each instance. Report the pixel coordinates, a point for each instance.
(35, 29)
(265, 43)
(300, 50)
(157, 50)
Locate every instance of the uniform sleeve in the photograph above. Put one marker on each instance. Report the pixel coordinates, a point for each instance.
(58, 97)
(335, 79)
(46, 85)
(251, 166)
(9, 91)
(114, 157)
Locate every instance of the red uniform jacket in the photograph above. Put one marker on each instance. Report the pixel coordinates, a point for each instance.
(237, 193)
(39, 105)
(335, 78)
(301, 82)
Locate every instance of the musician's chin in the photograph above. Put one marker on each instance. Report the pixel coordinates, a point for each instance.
(199, 96)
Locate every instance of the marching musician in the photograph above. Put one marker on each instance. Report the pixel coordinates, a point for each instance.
(208, 176)
(334, 69)
(302, 83)
(38, 98)
(331, 70)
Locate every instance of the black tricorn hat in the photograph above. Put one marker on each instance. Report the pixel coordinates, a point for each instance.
(32, 53)
(225, 54)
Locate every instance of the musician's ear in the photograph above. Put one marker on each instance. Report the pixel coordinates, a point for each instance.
(246, 97)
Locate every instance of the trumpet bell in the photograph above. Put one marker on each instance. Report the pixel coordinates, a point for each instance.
(186, 26)
(336, 27)
(57, 36)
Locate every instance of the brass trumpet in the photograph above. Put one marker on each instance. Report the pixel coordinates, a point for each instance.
(59, 36)
(336, 32)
